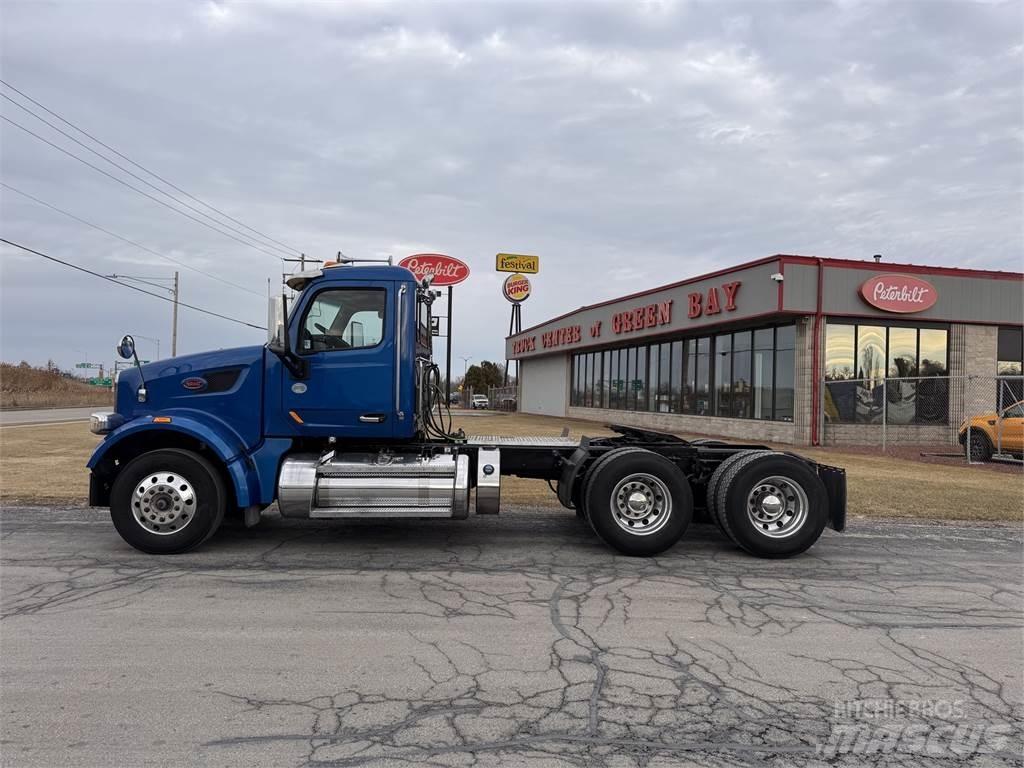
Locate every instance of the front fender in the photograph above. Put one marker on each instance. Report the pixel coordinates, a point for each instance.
(227, 446)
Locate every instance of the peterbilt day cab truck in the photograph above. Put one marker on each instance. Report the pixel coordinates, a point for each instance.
(341, 416)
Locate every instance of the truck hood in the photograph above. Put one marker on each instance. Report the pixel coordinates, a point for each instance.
(186, 380)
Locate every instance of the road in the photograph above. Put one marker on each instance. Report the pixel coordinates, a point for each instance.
(48, 415)
(515, 640)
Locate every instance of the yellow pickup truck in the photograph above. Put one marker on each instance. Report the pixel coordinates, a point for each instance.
(992, 432)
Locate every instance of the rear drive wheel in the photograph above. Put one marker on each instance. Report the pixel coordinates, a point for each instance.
(977, 447)
(638, 502)
(772, 505)
(711, 499)
(167, 501)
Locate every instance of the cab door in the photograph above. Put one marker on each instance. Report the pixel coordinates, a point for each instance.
(346, 336)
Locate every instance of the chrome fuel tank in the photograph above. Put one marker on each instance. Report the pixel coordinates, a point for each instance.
(371, 485)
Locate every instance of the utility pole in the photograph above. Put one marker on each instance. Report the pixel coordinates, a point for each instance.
(174, 321)
(151, 281)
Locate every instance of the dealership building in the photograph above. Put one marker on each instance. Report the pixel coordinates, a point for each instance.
(789, 349)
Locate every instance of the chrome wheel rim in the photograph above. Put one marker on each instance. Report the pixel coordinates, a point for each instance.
(777, 507)
(164, 503)
(641, 504)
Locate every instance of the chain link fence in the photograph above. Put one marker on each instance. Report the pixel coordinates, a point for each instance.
(503, 398)
(944, 413)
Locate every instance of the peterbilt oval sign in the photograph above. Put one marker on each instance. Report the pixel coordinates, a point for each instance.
(194, 383)
(899, 293)
(446, 270)
(516, 288)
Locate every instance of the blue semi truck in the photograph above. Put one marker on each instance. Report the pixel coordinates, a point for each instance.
(340, 415)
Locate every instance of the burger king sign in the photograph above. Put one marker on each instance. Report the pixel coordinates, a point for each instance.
(516, 288)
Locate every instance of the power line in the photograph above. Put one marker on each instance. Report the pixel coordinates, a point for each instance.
(136, 189)
(136, 176)
(154, 174)
(129, 285)
(130, 242)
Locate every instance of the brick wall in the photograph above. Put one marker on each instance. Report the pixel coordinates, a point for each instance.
(803, 379)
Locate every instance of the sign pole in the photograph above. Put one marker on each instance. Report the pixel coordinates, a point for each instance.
(448, 355)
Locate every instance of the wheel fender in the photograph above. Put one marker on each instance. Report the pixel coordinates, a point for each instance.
(224, 443)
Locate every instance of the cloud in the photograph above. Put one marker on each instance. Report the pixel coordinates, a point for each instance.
(629, 145)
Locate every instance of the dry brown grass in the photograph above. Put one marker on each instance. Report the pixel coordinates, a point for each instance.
(22, 386)
(46, 464)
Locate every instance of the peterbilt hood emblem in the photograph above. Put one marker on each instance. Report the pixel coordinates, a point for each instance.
(194, 383)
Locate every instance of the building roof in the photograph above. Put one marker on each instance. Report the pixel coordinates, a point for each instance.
(786, 258)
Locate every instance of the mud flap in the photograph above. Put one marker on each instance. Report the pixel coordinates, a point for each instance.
(834, 480)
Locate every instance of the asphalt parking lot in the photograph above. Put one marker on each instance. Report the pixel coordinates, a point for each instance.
(505, 641)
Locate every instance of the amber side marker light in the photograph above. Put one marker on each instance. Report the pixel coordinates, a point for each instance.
(296, 417)
(161, 419)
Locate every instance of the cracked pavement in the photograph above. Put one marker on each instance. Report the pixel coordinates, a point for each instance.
(513, 640)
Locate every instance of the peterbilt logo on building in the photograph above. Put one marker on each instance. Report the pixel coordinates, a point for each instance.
(899, 293)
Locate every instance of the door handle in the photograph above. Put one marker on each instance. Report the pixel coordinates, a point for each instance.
(372, 418)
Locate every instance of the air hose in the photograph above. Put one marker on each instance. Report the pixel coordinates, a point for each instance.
(436, 424)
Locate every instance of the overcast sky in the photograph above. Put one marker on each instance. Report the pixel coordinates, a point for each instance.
(628, 145)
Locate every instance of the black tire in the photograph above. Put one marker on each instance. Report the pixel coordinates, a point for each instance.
(163, 471)
(668, 494)
(711, 497)
(977, 446)
(591, 473)
(746, 474)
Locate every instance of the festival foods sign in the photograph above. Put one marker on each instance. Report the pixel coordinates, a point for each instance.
(517, 262)
(446, 270)
(516, 288)
(902, 294)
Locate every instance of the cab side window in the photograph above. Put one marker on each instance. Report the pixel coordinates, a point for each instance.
(343, 318)
(1014, 411)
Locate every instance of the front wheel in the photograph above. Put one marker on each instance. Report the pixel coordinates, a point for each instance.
(637, 502)
(167, 501)
(772, 505)
(977, 447)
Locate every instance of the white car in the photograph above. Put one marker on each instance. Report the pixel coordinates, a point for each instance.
(480, 401)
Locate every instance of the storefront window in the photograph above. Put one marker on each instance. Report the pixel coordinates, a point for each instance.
(762, 377)
(741, 385)
(664, 378)
(839, 352)
(678, 368)
(901, 388)
(640, 382)
(677, 376)
(689, 370)
(899, 372)
(1010, 365)
(933, 352)
(702, 378)
(723, 374)
(785, 351)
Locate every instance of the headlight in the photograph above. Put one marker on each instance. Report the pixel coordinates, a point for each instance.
(102, 423)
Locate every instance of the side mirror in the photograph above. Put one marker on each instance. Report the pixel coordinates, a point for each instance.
(126, 349)
(277, 338)
(275, 323)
